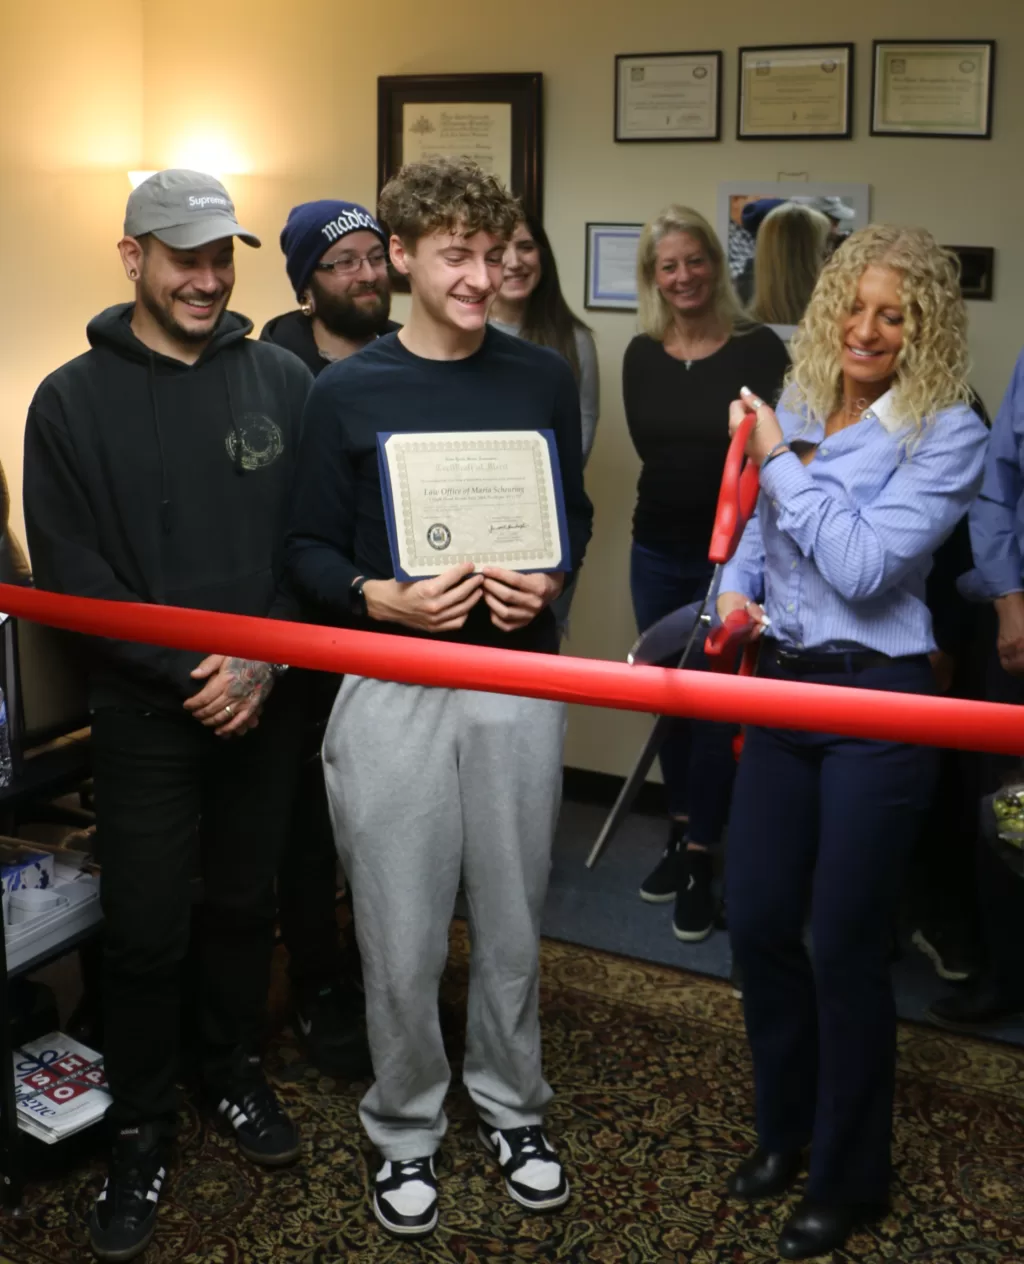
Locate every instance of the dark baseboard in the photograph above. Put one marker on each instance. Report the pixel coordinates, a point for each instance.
(581, 785)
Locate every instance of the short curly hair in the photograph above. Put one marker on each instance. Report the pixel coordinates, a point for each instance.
(453, 194)
(933, 363)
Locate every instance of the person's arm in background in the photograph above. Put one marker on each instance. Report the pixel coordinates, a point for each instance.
(993, 524)
(590, 388)
(63, 542)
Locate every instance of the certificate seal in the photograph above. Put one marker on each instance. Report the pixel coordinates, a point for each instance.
(438, 536)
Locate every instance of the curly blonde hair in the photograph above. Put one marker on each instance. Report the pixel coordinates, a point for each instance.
(655, 315)
(933, 362)
(453, 194)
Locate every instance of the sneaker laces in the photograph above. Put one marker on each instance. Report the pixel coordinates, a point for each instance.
(530, 1144)
(413, 1169)
(260, 1105)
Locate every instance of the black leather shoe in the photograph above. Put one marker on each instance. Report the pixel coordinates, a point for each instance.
(816, 1228)
(980, 1006)
(763, 1175)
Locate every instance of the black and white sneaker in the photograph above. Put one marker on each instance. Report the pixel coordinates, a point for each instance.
(405, 1197)
(694, 916)
(532, 1172)
(661, 884)
(250, 1111)
(124, 1216)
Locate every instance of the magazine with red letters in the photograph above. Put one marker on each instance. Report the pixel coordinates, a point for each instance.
(59, 1087)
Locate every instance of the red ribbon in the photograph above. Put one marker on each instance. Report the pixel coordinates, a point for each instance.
(591, 682)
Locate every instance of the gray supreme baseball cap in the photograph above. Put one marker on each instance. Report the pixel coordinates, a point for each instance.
(184, 210)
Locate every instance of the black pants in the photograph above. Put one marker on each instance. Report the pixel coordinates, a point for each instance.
(307, 883)
(823, 825)
(173, 800)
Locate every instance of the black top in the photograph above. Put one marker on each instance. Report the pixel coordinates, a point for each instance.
(294, 332)
(678, 421)
(338, 528)
(147, 479)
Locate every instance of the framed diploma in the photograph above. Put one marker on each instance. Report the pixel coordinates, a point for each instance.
(668, 96)
(611, 267)
(495, 119)
(797, 92)
(493, 497)
(933, 88)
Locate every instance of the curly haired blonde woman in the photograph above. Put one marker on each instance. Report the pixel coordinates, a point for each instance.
(872, 458)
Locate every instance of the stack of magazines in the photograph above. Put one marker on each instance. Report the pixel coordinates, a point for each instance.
(59, 1087)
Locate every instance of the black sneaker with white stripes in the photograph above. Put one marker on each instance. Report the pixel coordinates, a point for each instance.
(124, 1216)
(250, 1111)
(532, 1172)
(405, 1197)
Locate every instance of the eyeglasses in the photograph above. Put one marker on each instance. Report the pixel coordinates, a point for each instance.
(349, 264)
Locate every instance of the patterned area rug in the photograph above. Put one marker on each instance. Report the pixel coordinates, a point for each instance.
(653, 1108)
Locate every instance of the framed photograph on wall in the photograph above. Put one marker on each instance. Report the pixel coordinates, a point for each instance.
(933, 88)
(495, 119)
(611, 267)
(795, 92)
(977, 265)
(668, 96)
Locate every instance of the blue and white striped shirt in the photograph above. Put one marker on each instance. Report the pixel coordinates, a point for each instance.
(839, 550)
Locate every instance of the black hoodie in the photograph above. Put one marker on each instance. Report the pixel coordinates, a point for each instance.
(294, 332)
(147, 479)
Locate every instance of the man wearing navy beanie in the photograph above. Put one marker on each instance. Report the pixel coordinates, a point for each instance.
(337, 261)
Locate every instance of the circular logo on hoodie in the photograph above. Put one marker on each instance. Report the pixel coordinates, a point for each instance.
(261, 439)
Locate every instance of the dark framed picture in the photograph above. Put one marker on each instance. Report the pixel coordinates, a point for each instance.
(933, 88)
(977, 265)
(610, 284)
(495, 119)
(668, 96)
(795, 92)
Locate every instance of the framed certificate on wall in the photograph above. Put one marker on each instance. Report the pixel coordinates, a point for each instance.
(933, 88)
(668, 96)
(611, 267)
(796, 92)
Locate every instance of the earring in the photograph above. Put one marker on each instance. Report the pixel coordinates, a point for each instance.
(131, 275)
(306, 307)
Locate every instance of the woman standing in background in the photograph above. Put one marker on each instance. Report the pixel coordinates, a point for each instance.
(530, 305)
(679, 377)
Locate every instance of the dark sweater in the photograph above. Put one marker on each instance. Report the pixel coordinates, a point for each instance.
(294, 332)
(151, 480)
(338, 528)
(678, 420)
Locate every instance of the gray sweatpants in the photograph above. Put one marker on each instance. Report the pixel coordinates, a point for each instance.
(425, 786)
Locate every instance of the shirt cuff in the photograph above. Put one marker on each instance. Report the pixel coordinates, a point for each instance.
(783, 477)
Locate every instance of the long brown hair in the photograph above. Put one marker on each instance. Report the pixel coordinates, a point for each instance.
(548, 320)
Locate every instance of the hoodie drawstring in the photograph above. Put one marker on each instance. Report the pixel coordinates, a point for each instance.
(165, 504)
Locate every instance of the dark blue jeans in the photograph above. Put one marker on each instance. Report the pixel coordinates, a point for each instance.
(696, 758)
(822, 827)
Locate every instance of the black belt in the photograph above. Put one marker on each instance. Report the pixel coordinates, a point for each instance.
(811, 663)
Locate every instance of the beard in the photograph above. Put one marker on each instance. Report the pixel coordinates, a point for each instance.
(164, 318)
(344, 318)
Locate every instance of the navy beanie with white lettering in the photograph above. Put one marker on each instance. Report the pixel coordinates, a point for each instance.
(313, 227)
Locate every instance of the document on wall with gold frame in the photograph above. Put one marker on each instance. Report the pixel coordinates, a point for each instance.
(668, 96)
(495, 119)
(933, 88)
(795, 92)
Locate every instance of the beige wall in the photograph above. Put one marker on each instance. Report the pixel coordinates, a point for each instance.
(284, 96)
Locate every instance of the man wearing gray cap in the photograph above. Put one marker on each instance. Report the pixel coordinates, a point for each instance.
(157, 467)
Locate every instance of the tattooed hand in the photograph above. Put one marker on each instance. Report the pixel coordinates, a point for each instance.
(234, 694)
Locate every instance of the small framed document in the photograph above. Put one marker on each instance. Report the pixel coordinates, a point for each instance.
(797, 92)
(668, 96)
(492, 497)
(933, 88)
(611, 267)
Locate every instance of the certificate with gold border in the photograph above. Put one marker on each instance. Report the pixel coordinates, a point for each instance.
(795, 92)
(491, 497)
(932, 88)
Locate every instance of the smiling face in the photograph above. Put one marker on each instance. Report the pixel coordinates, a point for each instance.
(454, 276)
(521, 267)
(684, 274)
(872, 331)
(186, 291)
(349, 287)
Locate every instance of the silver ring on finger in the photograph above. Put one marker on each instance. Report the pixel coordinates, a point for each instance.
(229, 711)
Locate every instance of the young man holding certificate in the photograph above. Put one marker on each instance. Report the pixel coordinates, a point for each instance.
(446, 454)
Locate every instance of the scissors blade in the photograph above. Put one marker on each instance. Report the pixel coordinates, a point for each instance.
(666, 639)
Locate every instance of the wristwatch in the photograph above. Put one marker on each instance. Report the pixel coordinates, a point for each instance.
(277, 669)
(357, 598)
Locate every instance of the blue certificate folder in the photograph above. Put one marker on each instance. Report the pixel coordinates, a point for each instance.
(565, 562)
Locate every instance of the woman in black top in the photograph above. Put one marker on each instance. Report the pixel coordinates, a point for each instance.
(678, 379)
